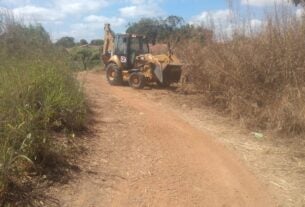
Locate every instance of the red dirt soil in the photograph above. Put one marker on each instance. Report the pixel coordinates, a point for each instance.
(144, 154)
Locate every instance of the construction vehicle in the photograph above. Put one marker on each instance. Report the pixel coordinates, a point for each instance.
(127, 59)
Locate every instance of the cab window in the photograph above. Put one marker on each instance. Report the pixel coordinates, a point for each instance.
(138, 46)
(120, 46)
(135, 45)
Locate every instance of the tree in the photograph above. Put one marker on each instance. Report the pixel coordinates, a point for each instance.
(38, 34)
(156, 29)
(97, 42)
(84, 55)
(170, 30)
(145, 26)
(174, 22)
(66, 42)
(83, 42)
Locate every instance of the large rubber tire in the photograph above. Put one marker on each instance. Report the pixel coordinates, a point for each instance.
(137, 80)
(114, 74)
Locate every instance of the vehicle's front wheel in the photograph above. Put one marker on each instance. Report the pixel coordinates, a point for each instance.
(137, 80)
(114, 74)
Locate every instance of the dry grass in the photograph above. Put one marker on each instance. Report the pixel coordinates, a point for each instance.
(257, 77)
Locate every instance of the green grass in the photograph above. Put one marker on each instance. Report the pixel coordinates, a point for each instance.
(39, 97)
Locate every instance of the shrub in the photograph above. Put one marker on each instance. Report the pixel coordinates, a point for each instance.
(97, 42)
(38, 97)
(257, 77)
(84, 58)
(66, 42)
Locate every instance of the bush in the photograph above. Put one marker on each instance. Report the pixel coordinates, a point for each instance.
(257, 77)
(84, 58)
(97, 42)
(83, 42)
(38, 97)
(66, 42)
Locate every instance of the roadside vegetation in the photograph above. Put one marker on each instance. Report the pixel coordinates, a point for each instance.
(83, 55)
(257, 73)
(40, 100)
(254, 72)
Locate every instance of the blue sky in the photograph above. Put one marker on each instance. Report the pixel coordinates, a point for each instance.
(85, 18)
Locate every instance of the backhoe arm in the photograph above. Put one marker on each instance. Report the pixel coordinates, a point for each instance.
(108, 43)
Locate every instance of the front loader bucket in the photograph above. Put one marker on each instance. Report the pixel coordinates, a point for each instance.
(168, 68)
(172, 73)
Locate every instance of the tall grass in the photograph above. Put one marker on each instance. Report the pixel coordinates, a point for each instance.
(255, 75)
(38, 97)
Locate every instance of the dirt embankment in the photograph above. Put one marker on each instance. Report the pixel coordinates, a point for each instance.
(143, 153)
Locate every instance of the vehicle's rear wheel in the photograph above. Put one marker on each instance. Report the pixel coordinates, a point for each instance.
(137, 80)
(114, 74)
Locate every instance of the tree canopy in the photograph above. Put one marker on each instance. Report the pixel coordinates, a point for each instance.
(168, 30)
(156, 29)
(83, 42)
(145, 26)
(66, 42)
(97, 42)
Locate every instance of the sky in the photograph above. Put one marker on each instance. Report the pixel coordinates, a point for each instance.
(86, 18)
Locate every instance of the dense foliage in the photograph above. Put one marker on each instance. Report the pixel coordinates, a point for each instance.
(169, 30)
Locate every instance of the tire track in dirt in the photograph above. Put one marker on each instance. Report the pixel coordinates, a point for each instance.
(144, 154)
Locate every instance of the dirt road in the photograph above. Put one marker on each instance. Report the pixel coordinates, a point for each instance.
(142, 153)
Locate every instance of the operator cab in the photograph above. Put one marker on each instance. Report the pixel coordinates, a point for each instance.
(128, 47)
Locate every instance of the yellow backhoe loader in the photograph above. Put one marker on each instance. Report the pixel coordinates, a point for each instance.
(127, 59)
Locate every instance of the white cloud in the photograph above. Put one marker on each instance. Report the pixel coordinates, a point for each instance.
(263, 2)
(79, 6)
(140, 11)
(224, 24)
(57, 10)
(219, 21)
(91, 27)
(16, 2)
(254, 23)
(300, 12)
(101, 20)
(83, 16)
(142, 8)
(138, 1)
(34, 13)
(212, 17)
